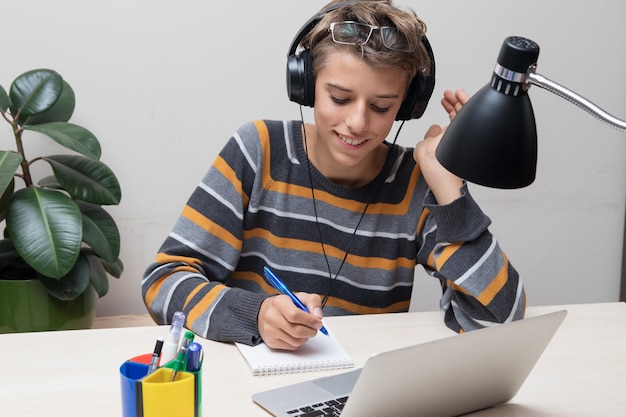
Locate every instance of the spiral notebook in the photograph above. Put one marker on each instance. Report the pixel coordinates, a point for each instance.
(318, 353)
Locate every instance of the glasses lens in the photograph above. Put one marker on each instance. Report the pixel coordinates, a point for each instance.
(395, 40)
(350, 32)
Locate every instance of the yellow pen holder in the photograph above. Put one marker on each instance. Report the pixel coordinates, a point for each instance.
(155, 395)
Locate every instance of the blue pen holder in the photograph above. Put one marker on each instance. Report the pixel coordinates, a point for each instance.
(155, 395)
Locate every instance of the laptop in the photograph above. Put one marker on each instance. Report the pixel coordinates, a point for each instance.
(442, 378)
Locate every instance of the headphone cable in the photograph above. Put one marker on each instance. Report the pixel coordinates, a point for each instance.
(319, 230)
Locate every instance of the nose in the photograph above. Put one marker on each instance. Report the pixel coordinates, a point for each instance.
(357, 119)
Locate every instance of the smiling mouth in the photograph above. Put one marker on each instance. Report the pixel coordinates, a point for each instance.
(353, 142)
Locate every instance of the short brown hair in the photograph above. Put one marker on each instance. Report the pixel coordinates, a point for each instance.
(379, 13)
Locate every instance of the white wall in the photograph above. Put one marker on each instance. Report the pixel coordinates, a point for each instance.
(163, 85)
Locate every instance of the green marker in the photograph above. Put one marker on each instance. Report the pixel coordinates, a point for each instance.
(181, 358)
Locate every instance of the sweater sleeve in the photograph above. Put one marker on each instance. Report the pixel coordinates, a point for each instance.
(480, 286)
(193, 265)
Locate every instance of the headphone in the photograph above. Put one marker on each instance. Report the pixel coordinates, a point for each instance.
(301, 79)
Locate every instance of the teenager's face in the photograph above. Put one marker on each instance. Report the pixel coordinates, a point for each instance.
(355, 107)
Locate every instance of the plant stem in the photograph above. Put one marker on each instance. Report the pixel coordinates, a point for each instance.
(17, 132)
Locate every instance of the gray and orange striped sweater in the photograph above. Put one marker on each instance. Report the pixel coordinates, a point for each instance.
(254, 208)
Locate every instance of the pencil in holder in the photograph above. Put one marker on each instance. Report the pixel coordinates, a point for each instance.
(156, 395)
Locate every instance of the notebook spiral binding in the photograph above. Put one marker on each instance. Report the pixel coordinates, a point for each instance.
(293, 368)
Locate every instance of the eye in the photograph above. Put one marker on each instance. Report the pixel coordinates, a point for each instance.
(343, 101)
(338, 100)
(380, 109)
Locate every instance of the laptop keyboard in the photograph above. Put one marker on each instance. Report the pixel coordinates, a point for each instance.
(330, 408)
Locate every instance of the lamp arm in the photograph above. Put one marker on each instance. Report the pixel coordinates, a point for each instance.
(539, 80)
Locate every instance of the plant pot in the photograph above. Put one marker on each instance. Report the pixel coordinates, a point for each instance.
(25, 306)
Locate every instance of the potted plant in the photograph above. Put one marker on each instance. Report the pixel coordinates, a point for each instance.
(57, 236)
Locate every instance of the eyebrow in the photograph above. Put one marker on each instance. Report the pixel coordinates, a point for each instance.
(347, 90)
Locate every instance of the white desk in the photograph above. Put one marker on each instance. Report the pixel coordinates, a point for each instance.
(75, 373)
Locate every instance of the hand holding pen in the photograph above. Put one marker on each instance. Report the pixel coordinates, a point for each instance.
(278, 284)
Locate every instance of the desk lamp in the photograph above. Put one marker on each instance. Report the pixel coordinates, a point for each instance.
(492, 141)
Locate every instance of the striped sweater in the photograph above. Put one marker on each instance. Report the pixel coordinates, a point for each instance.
(254, 208)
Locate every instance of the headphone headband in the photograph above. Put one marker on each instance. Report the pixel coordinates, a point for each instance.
(301, 79)
(310, 24)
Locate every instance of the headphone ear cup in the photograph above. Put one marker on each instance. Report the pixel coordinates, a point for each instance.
(417, 97)
(420, 90)
(300, 79)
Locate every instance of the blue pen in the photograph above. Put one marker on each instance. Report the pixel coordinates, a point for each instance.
(194, 357)
(275, 282)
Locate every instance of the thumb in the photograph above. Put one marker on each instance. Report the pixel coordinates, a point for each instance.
(433, 131)
(317, 312)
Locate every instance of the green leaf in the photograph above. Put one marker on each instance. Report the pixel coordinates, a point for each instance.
(5, 103)
(45, 227)
(7, 251)
(98, 276)
(35, 92)
(9, 163)
(86, 179)
(71, 285)
(61, 111)
(71, 136)
(115, 269)
(100, 231)
(49, 181)
(4, 199)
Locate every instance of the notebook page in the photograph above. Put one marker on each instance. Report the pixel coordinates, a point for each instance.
(318, 353)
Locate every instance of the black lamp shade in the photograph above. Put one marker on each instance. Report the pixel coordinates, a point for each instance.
(492, 141)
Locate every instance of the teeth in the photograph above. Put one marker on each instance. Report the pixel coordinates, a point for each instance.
(352, 142)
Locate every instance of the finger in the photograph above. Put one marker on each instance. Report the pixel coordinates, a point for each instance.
(313, 303)
(288, 341)
(433, 131)
(453, 102)
(287, 335)
(448, 106)
(450, 95)
(317, 312)
(299, 323)
(285, 341)
(462, 96)
(448, 101)
(457, 108)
